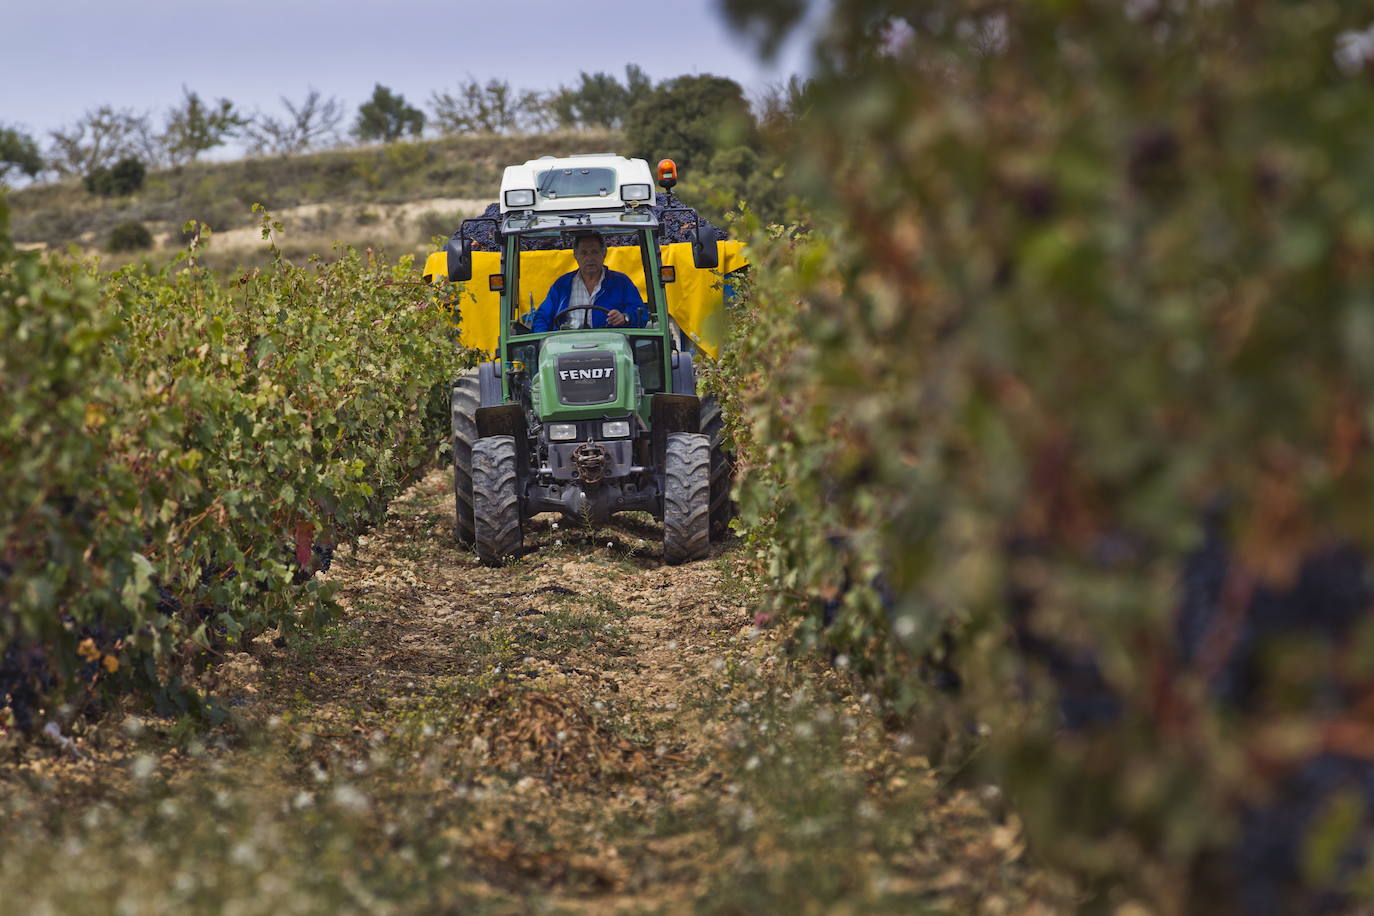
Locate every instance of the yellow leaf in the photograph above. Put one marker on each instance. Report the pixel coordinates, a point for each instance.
(111, 663)
(87, 650)
(95, 416)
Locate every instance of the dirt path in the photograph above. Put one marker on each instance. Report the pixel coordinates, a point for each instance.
(584, 730)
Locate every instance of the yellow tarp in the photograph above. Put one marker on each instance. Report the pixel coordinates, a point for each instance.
(695, 300)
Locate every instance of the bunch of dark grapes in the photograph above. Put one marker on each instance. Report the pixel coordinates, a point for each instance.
(1084, 698)
(1265, 874)
(673, 227)
(24, 679)
(937, 666)
(1327, 599)
(1234, 636)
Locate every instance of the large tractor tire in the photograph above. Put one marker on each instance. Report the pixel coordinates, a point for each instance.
(687, 497)
(465, 400)
(722, 468)
(496, 500)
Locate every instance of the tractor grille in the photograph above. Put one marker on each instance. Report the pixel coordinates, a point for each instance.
(586, 378)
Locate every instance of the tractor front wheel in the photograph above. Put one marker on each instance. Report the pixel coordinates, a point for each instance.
(687, 497)
(496, 500)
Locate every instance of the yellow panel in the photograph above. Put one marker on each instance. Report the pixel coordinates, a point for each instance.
(695, 300)
(479, 307)
(436, 265)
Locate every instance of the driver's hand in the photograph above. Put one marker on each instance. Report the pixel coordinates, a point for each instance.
(616, 319)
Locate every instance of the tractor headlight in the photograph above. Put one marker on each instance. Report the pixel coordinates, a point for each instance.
(562, 432)
(521, 198)
(634, 192)
(616, 429)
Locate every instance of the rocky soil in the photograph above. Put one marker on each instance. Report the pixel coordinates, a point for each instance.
(583, 730)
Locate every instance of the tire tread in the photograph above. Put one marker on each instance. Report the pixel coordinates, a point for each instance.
(687, 498)
(464, 401)
(496, 500)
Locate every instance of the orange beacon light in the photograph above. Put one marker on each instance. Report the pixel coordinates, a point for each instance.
(667, 174)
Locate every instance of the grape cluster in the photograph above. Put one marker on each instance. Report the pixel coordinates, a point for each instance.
(936, 666)
(24, 678)
(1238, 638)
(29, 671)
(321, 558)
(1084, 698)
(1266, 874)
(1328, 598)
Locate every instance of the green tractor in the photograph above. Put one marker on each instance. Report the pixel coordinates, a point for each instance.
(594, 420)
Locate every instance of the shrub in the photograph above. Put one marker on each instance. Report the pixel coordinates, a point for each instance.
(123, 178)
(1075, 377)
(129, 236)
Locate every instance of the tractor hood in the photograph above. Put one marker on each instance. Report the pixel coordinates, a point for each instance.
(585, 374)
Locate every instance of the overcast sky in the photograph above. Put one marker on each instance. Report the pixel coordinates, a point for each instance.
(54, 67)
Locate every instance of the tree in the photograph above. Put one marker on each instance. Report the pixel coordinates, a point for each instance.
(491, 107)
(387, 117)
(101, 137)
(688, 119)
(193, 127)
(539, 112)
(307, 124)
(19, 153)
(599, 100)
(778, 109)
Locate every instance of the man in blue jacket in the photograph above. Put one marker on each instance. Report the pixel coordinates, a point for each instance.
(616, 300)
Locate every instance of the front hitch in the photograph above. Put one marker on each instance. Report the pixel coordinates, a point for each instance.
(590, 460)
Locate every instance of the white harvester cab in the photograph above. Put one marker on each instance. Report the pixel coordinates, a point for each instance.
(592, 181)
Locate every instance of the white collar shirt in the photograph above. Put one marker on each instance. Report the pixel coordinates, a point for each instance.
(580, 299)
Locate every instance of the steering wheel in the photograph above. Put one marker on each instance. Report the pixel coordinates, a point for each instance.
(595, 308)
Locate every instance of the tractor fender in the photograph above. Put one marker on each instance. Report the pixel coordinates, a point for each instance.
(489, 380)
(672, 413)
(501, 420)
(684, 374)
(506, 420)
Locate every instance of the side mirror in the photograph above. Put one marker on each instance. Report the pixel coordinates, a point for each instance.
(459, 251)
(705, 254)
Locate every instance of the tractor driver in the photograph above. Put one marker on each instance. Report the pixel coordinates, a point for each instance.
(613, 299)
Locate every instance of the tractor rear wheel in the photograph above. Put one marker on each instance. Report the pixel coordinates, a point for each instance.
(496, 500)
(722, 467)
(465, 398)
(687, 497)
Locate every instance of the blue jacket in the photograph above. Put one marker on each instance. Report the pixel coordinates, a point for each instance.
(617, 292)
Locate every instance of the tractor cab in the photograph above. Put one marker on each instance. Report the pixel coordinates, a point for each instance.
(588, 394)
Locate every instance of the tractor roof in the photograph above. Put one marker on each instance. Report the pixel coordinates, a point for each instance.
(598, 181)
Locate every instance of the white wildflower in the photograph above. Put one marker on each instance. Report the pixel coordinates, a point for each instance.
(349, 798)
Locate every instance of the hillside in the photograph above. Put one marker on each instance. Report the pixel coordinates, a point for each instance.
(392, 197)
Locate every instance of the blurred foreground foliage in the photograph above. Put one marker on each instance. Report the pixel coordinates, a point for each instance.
(181, 451)
(1057, 420)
